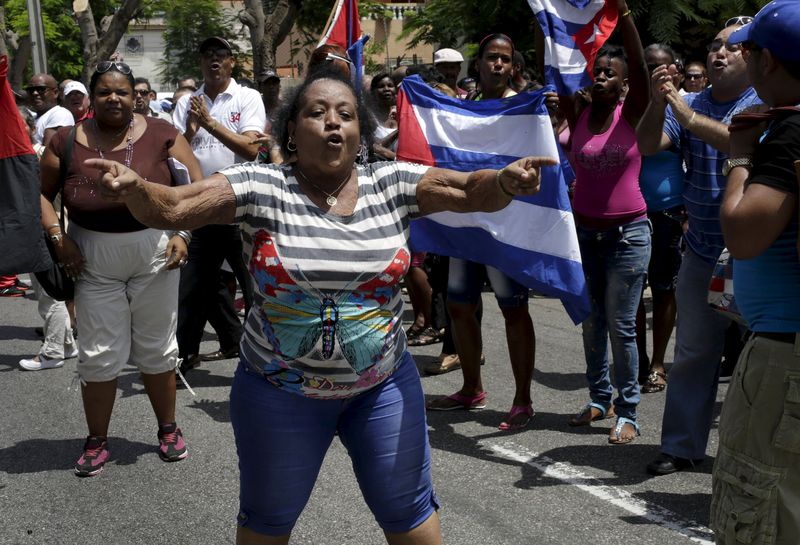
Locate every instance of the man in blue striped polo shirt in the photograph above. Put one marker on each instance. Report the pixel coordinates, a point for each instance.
(696, 125)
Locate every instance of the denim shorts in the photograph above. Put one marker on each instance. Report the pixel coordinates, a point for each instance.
(466, 279)
(282, 438)
(665, 256)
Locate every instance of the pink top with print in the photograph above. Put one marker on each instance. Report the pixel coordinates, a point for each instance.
(607, 169)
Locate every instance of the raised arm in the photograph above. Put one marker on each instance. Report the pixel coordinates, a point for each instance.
(708, 130)
(650, 135)
(442, 190)
(184, 207)
(638, 77)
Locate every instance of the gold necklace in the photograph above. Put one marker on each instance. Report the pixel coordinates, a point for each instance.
(331, 200)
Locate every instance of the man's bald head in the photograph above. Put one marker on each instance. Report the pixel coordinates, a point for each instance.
(43, 92)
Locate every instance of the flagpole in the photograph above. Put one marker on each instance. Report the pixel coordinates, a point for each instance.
(327, 27)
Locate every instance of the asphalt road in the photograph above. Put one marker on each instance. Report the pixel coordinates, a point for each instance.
(547, 484)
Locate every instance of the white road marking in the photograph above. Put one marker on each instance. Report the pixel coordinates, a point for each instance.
(568, 474)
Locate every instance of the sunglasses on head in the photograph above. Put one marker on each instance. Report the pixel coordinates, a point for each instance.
(105, 66)
(222, 53)
(739, 20)
(41, 89)
(332, 57)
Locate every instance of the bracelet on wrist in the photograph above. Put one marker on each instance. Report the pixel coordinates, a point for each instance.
(500, 183)
(53, 225)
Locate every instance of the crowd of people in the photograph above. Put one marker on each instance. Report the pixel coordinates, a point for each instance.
(296, 196)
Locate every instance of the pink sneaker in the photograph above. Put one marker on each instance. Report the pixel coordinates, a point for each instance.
(171, 444)
(94, 457)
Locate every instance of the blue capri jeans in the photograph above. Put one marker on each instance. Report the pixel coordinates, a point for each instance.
(614, 263)
(466, 279)
(282, 438)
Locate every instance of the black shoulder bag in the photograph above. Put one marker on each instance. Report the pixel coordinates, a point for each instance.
(54, 280)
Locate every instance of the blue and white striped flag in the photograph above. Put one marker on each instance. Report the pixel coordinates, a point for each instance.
(533, 240)
(574, 31)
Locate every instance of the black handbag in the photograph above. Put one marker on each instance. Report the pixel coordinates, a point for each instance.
(54, 280)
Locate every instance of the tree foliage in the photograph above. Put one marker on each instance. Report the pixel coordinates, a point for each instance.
(62, 35)
(67, 52)
(188, 23)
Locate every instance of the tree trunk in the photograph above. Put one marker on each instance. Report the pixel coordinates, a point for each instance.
(100, 48)
(3, 45)
(20, 60)
(269, 23)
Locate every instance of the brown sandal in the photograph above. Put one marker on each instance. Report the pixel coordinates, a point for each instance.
(656, 382)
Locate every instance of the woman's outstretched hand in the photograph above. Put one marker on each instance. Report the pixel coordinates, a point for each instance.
(116, 181)
(523, 176)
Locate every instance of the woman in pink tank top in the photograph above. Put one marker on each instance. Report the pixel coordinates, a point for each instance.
(613, 229)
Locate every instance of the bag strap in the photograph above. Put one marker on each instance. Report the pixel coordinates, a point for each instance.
(63, 166)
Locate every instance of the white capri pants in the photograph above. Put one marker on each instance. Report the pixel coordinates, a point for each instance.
(126, 304)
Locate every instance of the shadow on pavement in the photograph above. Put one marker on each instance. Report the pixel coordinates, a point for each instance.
(219, 411)
(695, 507)
(566, 382)
(14, 332)
(38, 455)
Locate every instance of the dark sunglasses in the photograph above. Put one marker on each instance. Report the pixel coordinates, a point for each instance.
(222, 53)
(41, 89)
(105, 66)
(716, 45)
(692, 77)
(142, 92)
(739, 20)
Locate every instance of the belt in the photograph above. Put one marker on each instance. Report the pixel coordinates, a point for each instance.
(780, 337)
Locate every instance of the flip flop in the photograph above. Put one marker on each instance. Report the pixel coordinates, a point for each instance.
(462, 402)
(617, 438)
(516, 410)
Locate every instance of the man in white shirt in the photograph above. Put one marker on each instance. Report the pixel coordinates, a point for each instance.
(220, 120)
(43, 92)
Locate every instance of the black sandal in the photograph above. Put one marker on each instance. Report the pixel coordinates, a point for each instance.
(653, 385)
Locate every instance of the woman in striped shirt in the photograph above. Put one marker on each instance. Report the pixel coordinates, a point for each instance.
(324, 351)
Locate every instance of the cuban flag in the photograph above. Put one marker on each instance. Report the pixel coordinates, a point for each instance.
(533, 239)
(344, 29)
(574, 31)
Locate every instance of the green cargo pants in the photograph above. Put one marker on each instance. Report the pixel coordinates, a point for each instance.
(756, 479)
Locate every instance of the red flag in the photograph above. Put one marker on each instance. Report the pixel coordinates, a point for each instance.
(21, 236)
(344, 26)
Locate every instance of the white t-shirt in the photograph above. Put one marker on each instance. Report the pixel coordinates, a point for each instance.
(55, 117)
(237, 108)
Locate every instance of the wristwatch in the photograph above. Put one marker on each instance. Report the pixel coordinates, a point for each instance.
(744, 161)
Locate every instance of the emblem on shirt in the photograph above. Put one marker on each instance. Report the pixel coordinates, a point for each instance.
(235, 117)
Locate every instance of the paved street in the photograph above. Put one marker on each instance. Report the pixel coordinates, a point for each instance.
(547, 484)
